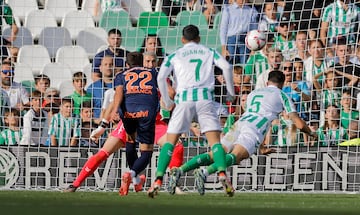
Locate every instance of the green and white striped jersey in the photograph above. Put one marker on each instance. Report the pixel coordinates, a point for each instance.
(287, 47)
(264, 105)
(331, 137)
(193, 73)
(64, 129)
(312, 69)
(341, 21)
(256, 65)
(329, 97)
(10, 137)
(345, 118)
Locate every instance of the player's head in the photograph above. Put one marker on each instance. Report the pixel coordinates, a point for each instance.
(134, 59)
(190, 34)
(276, 78)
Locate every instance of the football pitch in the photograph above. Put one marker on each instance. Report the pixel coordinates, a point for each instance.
(108, 203)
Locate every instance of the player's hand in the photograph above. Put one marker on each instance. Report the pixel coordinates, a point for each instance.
(96, 134)
(263, 150)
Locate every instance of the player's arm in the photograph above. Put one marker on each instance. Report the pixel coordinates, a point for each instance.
(300, 124)
(163, 74)
(227, 72)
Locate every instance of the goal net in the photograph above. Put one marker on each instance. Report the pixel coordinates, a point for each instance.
(53, 50)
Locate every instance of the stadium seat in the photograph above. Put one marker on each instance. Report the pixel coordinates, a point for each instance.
(90, 42)
(57, 73)
(73, 56)
(53, 38)
(66, 88)
(23, 36)
(36, 20)
(75, 21)
(88, 5)
(217, 21)
(102, 48)
(60, 7)
(20, 8)
(87, 70)
(210, 38)
(191, 17)
(170, 38)
(36, 56)
(115, 19)
(100, 32)
(132, 38)
(23, 73)
(150, 22)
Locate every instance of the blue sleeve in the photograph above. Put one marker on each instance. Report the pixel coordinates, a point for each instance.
(254, 19)
(304, 88)
(118, 80)
(97, 62)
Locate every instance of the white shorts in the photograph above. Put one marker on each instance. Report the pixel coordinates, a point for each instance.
(184, 113)
(243, 134)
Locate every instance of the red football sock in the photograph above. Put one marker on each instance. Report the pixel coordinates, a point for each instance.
(90, 166)
(177, 157)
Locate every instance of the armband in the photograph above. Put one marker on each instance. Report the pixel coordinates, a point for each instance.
(104, 123)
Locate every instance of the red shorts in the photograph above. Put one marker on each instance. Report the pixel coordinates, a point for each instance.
(119, 132)
(160, 130)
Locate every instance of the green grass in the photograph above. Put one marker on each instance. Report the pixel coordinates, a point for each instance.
(106, 203)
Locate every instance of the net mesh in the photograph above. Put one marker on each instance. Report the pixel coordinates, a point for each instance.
(54, 43)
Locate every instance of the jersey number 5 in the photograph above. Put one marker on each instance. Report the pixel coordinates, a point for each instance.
(255, 104)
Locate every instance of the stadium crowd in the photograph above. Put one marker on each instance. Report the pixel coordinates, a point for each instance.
(314, 43)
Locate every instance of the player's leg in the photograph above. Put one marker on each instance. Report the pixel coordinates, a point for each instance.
(111, 145)
(179, 123)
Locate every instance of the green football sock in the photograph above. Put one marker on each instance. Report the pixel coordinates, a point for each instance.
(219, 156)
(230, 160)
(164, 158)
(195, 162)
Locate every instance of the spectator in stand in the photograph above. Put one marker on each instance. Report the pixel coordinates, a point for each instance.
(331, 133)
(301, 46)
(152, 44)
(236, 20)
(98, 88)
(35, 122)
(285, 40)
(64, 129)
(42, 83)
(12, 133)
(114, 50)
(343, 52)
(13, 53)
(298, 91)
(80, 95)
(113, 5)
(171, 8)
(258, 62)
(18, 95)
(7, 15)
(4, 105)
(348, 112)
(339, 18)
(207, 7)
(353, 134)
(274, 58)
(87, 125)
(270, 19)
(316, 63)
(52, 96)
(299, 70)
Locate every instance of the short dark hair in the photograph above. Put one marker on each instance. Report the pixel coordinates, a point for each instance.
(66, 99)
(9, 63)
(41, 77)
(79, 75)
(134, 59)
(276, 76)
(86, 104)
(36, 94)
(191, 32)
(114, 31)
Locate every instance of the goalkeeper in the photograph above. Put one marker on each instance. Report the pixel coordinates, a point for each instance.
(263, 106)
